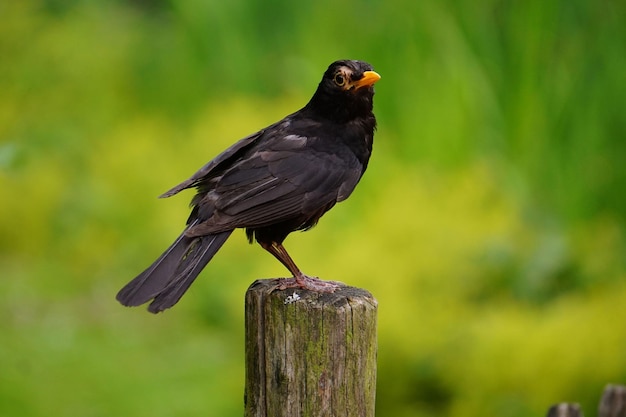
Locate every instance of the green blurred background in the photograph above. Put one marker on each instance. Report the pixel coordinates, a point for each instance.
(490, 225)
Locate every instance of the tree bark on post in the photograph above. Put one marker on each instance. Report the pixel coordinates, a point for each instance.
(309, 354)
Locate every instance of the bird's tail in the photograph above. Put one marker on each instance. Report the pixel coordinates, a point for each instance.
(167, 279)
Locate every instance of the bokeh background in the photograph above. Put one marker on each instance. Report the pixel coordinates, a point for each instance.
(490, 224)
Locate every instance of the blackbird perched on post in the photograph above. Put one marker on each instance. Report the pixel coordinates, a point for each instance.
(278, 180)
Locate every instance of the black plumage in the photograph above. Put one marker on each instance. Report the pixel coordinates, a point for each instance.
(273, 182)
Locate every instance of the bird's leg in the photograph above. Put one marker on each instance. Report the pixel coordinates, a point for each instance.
(280, 253)
(299, 279)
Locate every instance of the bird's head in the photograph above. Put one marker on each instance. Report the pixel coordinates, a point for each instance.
(346, 91)
(356, 77)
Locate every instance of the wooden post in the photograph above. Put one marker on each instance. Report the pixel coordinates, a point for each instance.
(309, 354)
(613, 402)
(565, 410)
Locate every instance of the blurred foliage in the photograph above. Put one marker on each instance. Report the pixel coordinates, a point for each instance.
(490, 225)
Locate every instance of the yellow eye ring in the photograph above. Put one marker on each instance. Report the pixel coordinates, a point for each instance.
(339, 79)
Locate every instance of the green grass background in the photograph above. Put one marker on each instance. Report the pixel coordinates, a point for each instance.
(490, 224)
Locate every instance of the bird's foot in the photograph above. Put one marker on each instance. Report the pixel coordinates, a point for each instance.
(306, 282)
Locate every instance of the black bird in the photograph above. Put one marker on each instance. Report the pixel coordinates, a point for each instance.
(273, 182)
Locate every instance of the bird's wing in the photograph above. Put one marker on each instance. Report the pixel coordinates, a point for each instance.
(208, 169)
(280, 182)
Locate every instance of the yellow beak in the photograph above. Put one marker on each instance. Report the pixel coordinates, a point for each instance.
(368, 79)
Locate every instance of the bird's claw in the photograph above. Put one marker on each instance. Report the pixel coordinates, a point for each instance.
(306, 282)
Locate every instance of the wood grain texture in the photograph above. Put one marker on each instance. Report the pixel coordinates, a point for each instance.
(315, 356)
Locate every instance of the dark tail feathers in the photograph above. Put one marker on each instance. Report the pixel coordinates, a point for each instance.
(167, 279)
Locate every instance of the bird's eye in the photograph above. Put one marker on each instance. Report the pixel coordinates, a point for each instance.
(340, 80)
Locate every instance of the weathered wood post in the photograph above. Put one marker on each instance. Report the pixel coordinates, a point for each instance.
(309, 354)
(613, 402)
(565, 410)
